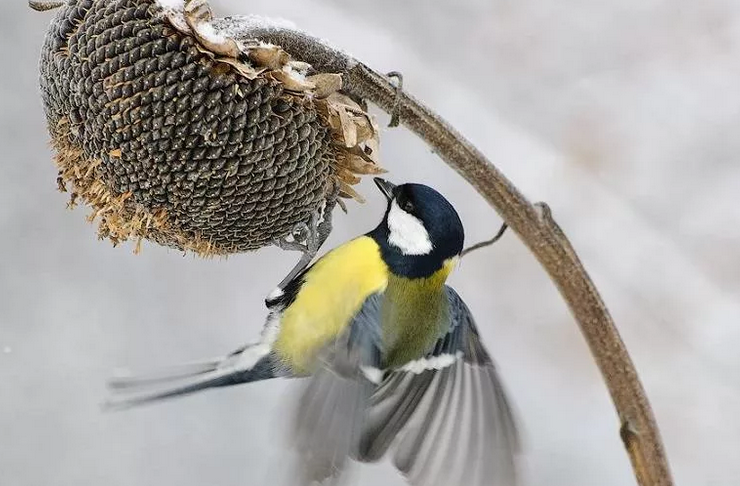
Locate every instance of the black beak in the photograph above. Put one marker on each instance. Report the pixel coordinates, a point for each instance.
(385, 187)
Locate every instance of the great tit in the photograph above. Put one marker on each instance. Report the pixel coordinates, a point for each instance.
(393, 354)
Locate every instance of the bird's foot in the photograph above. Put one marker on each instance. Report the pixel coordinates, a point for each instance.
(308, 237)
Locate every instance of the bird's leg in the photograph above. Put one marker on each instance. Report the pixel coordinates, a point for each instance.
(486, 243)
(308, 237)
(303, 239)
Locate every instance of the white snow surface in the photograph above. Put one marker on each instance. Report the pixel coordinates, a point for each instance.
(171, 4)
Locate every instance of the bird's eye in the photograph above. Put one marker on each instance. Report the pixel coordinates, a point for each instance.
(407, 206)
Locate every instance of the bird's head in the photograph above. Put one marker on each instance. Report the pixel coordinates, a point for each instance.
(420, 231)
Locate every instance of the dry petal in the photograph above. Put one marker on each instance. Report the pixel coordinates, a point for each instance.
(244, 69)
(349, 130)
(347, 176)
(326, 84)
(268, 56)
(346, 191)
(360, 152)
(177, 20)
(290, 81)
(365, 130)
(343, 100)
(358, 165)
(197, 11)
(299, 66)
(198, 16)
(372, 149)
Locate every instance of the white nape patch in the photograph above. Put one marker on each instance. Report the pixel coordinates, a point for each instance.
(373, 374)
(433, 363)
(407, 232)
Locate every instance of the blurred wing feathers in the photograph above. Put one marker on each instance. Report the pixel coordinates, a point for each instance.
(330, 416)
(446, 415)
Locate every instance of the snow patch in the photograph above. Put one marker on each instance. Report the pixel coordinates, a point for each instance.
(239, 23)
(210, 34)
(172, 4)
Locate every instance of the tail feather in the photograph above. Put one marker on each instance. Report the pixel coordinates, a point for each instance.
(251, 363)
(123, 379)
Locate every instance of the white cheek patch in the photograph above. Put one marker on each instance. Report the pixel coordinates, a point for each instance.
(407, 232)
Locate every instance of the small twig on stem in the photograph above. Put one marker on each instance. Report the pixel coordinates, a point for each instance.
(537, 229)
(399, 89)
(486, 243)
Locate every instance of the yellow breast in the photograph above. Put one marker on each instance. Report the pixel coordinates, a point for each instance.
(334, 289)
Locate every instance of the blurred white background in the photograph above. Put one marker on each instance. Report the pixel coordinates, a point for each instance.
(622, 115)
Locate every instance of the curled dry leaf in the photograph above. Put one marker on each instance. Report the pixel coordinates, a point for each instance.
(177, 20)
(371, 151)
(198, 16)
(347, 176)
(342, 205)
(326, 84)
(346, 191)
(365, 129)
(353, 125)
(358, 165)
(291, 80)
(198, 11)
(242, 68)
(268, 56)
(348, 128)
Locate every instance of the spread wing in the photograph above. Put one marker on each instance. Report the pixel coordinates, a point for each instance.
(446, 414)
(331, 410)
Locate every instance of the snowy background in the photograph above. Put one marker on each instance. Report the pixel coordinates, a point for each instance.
(623, 115)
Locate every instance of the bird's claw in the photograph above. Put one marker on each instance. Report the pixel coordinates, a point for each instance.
(298, 239)
(308, 237)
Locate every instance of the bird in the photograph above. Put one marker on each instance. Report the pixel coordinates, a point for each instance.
(392, 357)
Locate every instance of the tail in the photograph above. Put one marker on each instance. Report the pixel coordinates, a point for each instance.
(251, 363)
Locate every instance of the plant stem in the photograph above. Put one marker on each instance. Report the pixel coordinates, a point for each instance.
(537, 229)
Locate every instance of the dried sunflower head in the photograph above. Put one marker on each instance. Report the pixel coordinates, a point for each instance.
(174, 131)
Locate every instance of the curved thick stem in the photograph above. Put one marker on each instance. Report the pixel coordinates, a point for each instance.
(536, 228)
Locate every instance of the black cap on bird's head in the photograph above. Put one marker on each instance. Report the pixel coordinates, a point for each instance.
(420, 229)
